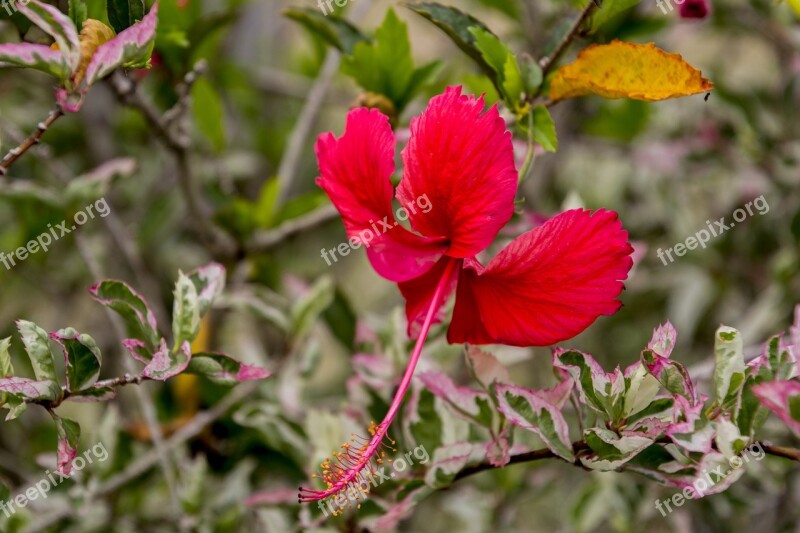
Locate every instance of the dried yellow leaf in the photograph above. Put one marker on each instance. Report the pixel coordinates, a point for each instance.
(628, 70)
(93, 34)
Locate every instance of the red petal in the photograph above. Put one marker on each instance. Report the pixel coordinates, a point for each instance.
(547, 286)
(418, 293)
(461, 161)
(356, 172)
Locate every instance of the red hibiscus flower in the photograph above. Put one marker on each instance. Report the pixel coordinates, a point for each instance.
(548, 285)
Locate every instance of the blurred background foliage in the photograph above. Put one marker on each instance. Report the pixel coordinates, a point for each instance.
(665, 167)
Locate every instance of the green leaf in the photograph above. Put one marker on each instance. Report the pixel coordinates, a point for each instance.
(456, 24)
(609, 10)
(341, 319)
(544, 129)
(509, 7)
(425, 423)
(78, 12)
(185, 312)
(385, 66)
(37, 344)
(98, 10)
(6, 368)
(306, 310)
(267, 203)
(132, 307)
(209, 113)
(83, 358)
(603, 392)
(532, 75)
(508, 77)
(729, 370)
(122, 14)
(69, 433)
(335, 31)
(16, 406)
(531, 411)
(611, 451)
(640, 390)
(223, 369)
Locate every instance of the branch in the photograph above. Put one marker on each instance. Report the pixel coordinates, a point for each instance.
(268, 239)
(581, 446)
(547, 62)
(127, 379)
(177, 141)
(15, 153)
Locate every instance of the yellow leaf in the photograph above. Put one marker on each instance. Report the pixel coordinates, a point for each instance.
(795, 5)
(93, 34)
(628, 70)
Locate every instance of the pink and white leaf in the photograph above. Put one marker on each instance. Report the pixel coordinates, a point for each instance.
(28, 388)
(446, 462)
(37, 57)
(528, 410)
(463, 399)
(166, 364)
(224, 369)
(130, 45)
(58, 25)
(783, 399)
(664, 338)
(486, 367)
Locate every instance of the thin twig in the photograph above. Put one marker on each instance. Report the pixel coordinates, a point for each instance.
(127, 379)
(15, 153)
(268, 239)
(294, 149)
(170, 132)
(547, 62)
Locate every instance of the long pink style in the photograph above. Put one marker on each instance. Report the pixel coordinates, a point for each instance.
(348, 474)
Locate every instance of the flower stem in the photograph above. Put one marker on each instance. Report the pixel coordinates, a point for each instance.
(342, 479)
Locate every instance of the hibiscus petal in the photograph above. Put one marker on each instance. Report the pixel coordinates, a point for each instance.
(356, 172)
(419, 292)
(548, 285)
(462, 159)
